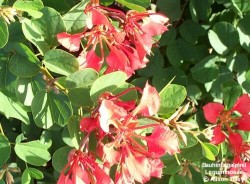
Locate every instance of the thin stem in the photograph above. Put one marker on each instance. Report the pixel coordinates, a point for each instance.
(50, 77)
(1, 129)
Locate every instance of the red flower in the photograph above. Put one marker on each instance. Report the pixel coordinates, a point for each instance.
(241, 152)
(82, 169)
(215, 113)
(124, 47)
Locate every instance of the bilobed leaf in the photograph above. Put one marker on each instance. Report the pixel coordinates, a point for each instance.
(223, 37)
(171, 8)
(74, 130)
(60, 158)
(42, 31)
(241, 6)
(171, 97)
(4, 149)
(24, 63)
(49, 108)
(61, 62)
(33, 152)
(108, 82)
(200, 9)
(131, 5)
(81, 78)
(35, 173)
(244, 33)
(4, 33)
(75, 18)
(26, 178)
(209, 150)
(13, 109)
(206, 70)
(30, 6)
(26, 88)
(80, 97)
(231, 92)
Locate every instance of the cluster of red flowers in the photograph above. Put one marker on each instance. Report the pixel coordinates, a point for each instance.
(124, 142)
(115, 40)
(228, 123)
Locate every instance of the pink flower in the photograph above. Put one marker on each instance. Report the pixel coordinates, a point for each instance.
(82, 169)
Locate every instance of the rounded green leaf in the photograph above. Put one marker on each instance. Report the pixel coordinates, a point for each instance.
(171, 165)
(24, 63)
(74, 129)
(81, 78)
(30, 7)
(223, 37)
(171, 97)
(108, 82)
(200, 9)
(4, 33)
(35, 173)
(171, 8)
(209, 150)
(206, 70)
(191, 31)
(176, 179)
(80, 97)
(26, 88)
(4, 149)
(75, 18)
(61, 62)
(60, 158)
(49, 108)
(244, 33)
(26, 178)
(34, 152)
(42, 31)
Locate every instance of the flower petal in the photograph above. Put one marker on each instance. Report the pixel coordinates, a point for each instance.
(235, 140)
(109, 114)
(212, 111)
(71, 42)
(244, 122)
(162, 141)
(88, 124)
(218, 136)
(150, 102)
(242, 105)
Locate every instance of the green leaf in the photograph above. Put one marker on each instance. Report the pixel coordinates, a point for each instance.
(156, 62)
(241, 6)
(4, 149)
(209, 150)
(171, 8)
(80, 97)
(60, 158)
(30, 6)
(26, 178)
(82, 78)
(223, 37)
(107, 83)
(193, 153)
(33, 152)
(200, 9)
(42, 31)
(75, 18)
(231, 92)
(179, 51)
(244, 33)
(30, 173)
(26, 88)
(35, 173)
(206, 70)
(130, 4)
(24, 63)
(13, 109)
(7, 79)
(168, 37)
(176, 179)
(4, 33)
(49, 108)
(191, 31)
(171, 164)
(172, 96)
(74, 130)
(60, 62)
